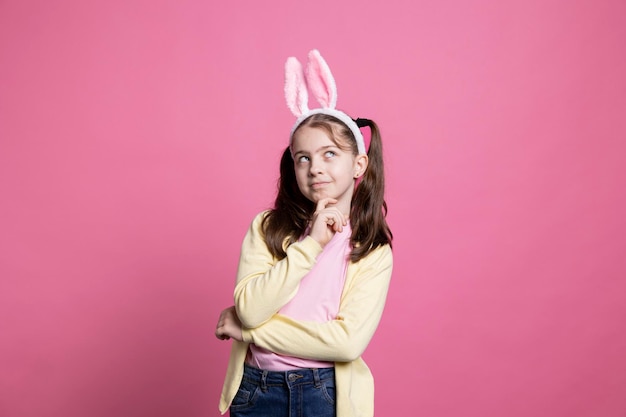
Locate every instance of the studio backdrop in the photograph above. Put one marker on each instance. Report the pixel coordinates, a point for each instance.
(139, 138)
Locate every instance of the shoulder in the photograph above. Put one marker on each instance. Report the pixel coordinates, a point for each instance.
(373, 271)
(255, 228)
(258, 219)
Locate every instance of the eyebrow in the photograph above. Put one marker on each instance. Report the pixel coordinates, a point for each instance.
(322, 149)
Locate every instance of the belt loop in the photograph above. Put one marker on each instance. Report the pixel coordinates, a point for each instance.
(316, 377)
(264, 381)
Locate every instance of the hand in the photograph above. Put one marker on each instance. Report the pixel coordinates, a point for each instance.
(326, 221)
(228, 325)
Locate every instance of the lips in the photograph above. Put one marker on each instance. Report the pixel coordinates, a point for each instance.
(316, 185)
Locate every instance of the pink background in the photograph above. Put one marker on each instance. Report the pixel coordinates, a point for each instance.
(138, 139)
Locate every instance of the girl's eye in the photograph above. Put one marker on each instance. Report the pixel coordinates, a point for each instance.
(329, 154)
(303, 158)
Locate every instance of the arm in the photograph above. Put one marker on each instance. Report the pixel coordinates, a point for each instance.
(264, 285)
(345, 338)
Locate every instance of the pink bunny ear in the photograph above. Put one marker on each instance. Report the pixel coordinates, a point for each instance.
(296, 92)
(321, 81)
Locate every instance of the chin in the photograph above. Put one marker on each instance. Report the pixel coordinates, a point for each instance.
(317, 197)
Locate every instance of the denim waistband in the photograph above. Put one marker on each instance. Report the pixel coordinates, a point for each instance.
(291, 377)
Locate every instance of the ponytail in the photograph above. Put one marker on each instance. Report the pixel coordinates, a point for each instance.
(369, 209)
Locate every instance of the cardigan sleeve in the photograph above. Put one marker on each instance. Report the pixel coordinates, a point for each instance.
(264, 285)
(345, 338)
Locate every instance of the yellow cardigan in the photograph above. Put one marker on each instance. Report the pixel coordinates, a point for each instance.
(265, 284)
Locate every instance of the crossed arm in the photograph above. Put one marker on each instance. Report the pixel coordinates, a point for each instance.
(340, 340)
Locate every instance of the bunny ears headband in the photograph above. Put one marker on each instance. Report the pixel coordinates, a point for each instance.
(319, 81)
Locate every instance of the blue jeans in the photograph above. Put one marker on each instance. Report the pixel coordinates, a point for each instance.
(295, 393)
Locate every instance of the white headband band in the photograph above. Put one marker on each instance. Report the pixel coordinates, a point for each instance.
(320, 82)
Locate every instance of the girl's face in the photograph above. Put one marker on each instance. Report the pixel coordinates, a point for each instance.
(323, 169)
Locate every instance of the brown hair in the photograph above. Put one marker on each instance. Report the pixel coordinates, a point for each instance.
(287, 221)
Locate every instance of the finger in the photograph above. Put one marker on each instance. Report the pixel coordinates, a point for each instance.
(337, 219)
(333, 222)
(334, 219)
(221, 333)
(324, 202)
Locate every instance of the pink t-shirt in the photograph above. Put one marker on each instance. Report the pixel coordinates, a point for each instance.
(317, 300)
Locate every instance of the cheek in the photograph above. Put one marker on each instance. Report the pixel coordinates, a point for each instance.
(301, 178)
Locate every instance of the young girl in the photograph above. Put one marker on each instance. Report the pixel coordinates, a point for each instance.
(314, 270)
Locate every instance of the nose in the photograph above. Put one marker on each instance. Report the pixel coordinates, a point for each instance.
(315, 167)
